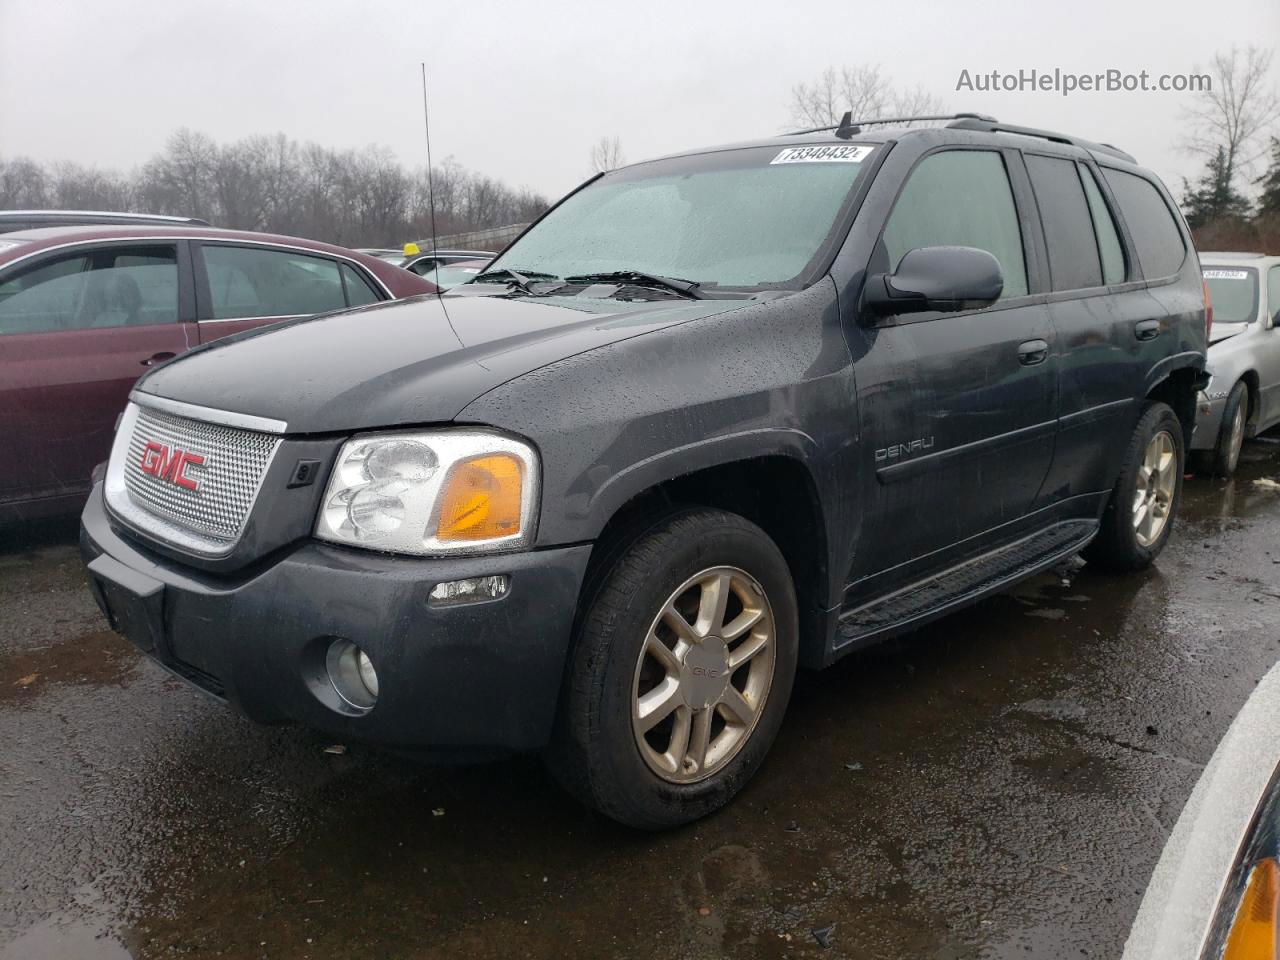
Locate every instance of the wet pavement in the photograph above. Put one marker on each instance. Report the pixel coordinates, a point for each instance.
(997, 785)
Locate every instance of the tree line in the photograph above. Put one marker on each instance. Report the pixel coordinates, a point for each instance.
(274, 184)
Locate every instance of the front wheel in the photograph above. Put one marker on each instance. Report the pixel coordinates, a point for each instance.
(681, 672)
(1223, 459)
(1139, 515)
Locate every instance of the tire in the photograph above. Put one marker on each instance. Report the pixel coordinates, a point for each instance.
(1125, 540)
(599, 753)
(1223, 459)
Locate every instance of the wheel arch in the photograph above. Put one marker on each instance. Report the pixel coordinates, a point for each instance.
(774, 490)
(1175, 381)
(1253, 387)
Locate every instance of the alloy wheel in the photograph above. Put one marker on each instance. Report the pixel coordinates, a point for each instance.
(703, 674)
(1157, 481)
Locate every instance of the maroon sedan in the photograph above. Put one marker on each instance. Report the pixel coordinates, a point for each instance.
(85, 310)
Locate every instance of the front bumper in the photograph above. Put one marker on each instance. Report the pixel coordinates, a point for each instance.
(473, 678)
(1209, 410)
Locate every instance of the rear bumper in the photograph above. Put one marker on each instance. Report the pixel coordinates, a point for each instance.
(479, 677)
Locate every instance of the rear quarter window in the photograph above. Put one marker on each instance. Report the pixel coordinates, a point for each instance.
(1152, 225)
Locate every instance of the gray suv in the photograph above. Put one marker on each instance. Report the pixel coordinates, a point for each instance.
(713, 417)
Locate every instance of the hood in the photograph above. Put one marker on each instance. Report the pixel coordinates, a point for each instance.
(1221, 331)
(406, 361)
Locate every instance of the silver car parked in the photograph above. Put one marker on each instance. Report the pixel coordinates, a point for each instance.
(1243, 398)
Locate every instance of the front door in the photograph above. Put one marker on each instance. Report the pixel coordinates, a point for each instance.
(76, 331)
(957, 410)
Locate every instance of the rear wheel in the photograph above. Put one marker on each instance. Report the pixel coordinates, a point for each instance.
(681, 674)
(1139, 516)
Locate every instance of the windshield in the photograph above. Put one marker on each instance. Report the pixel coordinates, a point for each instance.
(1234, 294)
(754, 217)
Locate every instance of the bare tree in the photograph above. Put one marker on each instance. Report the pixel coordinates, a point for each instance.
(606, 155)
(1234, 113)
(24, 184)
(865, 90)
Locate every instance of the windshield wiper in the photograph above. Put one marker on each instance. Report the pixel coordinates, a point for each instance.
(520, 279)
(688, 288)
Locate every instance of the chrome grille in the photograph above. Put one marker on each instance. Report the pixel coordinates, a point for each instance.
(214, 514)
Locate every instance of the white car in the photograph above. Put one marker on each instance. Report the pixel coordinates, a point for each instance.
(1215, 894)
(1243, 398)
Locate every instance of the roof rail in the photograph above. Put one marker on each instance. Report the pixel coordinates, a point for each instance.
(989, 125)
(848, 126)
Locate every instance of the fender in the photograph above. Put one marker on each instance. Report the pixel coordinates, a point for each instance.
(633, 480)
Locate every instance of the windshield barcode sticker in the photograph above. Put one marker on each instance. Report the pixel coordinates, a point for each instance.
(827, 153)
(1226, 275)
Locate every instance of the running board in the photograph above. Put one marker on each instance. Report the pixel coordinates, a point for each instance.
(926, 600)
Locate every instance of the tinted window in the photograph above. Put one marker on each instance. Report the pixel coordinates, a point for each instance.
(359, 292)
(113, 287)
(1151, 224)
(1104, 226)
(960, 198)
(1273, 292)
(1074, 262)
(258, 282)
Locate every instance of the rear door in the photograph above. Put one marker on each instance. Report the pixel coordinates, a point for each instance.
(1103, 320)
(959, 408)
(242, 286)
(77, 329)
(1110, 278)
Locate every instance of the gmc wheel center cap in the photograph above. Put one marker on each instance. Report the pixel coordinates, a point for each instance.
(705, 673)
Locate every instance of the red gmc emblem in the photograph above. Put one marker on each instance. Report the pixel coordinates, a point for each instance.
(170, 464)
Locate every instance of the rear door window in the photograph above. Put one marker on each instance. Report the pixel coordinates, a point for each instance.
(248, 282)
(115, 286)
(1151, 224)
(1074, 261)
(359, 292)
(960, 198)
(1110, 249)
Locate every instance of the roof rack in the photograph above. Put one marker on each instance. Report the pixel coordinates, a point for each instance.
(848, 126)
(991, 125)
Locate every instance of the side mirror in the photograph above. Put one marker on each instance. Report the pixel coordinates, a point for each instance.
(946, 279)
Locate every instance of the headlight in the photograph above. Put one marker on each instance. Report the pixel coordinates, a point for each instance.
(432, 492)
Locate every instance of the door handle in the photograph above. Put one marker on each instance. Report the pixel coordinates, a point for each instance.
(1033, 352)
(158, 358)
(1146, 329)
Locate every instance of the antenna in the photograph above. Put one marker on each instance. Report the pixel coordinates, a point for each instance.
(431, 186)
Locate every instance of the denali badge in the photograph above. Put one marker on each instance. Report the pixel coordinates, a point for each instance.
(170, 464)
(896, 450)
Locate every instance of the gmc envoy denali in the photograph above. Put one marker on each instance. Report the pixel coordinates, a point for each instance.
(713, 417)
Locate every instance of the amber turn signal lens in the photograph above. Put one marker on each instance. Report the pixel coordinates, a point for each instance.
(481, 499)
(1253, 932)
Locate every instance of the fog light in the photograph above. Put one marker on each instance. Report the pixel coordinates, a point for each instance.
(470, 590)
(352, 674)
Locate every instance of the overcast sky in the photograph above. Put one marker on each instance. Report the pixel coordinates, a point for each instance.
(521, 90)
